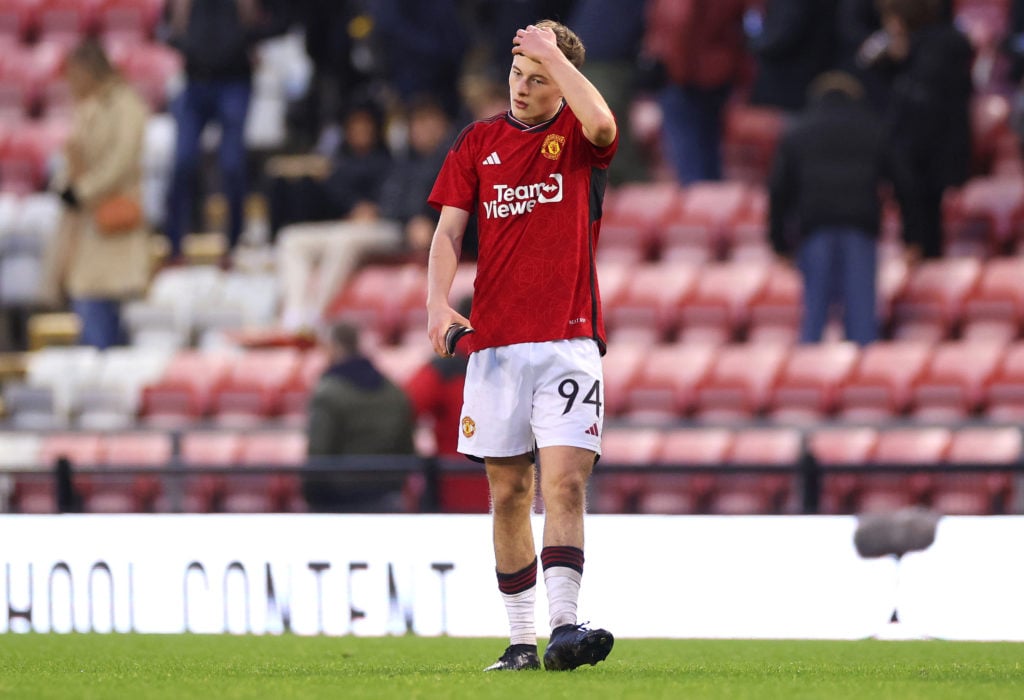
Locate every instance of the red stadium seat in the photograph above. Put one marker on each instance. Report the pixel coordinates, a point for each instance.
(930, 305)
(776, 310)
(135, 18)
(633, 218)
(648, 307)
(25, 73)
(994, 310)
(18, 18)
(748, 494)
(665, 386)
(1004, 400)
(267, 492)
(841, 447)
(689, 492)
(750, 137)
(953, 384)
(979, 493)
(182, 394)
(35, 495)
(295, 393)
(135, 493)
(619, 493)
(749, 239)
(252, 390)
(893, 273)
(808, 388)
(621, 368)
(986, 215)
(413, 314)
(990, 122)
(739, 384)
(882, 380)
(702, 220)
(904, 446)
(376, 295)
(151, 68)
(718, 310)
(67, 21)
(202, 493)
(25, 154)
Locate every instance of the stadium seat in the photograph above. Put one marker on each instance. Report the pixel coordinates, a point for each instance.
(930, 306)
(755, 493)
(633, 219)
(412, 323)
(376, 295)
(183, 393)
(881, 383)
(202, 493)
(775, 311)
(954, 382)
(134, 18)
(399, 363)
(994, 310)
(718, 310)
(749, 240)
(25, 153)
(251, 390)
(702, 221)
(688, 492)
(624, 447)
(664, 388)
(37, 495)
(18, 19)
(990, 123)
(1004, 399)
(899, 447)
(19, 451)
(979, 492)
(621, 367)
(648, 307)
(751, 134)
(893, 273)
(808, 387)
(268, 492)
(135, 493)
(67, 21)
(985, 216)
(295, 393)
(153, 69)
(739, 383)
(839, 452)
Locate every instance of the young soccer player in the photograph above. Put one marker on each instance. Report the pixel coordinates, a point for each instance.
(535, 176)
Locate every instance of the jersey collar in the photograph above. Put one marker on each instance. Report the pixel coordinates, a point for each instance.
(523, 126)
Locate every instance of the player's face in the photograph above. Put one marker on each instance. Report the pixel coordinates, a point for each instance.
(535, 97)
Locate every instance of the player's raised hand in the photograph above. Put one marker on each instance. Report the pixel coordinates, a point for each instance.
(438, 320)
(535, 43)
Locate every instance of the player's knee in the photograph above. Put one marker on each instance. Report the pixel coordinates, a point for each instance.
(510, 489)
(568, 492)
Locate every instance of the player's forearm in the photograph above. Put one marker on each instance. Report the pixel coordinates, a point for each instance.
(445, 249)
(584, 99)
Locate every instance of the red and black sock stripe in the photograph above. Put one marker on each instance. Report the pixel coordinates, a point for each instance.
(522, 580)
(569, 557)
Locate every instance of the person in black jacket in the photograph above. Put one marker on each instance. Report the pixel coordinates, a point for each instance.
(928, 118)
(825, 189)
(216, 38)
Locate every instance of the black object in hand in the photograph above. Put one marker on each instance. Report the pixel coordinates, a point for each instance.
(452, 335)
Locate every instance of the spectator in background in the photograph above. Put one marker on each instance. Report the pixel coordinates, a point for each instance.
(100, 269)
(216, 38)
(860, 39)
(400, 221)
(424, 45)
(929, 113)
(316, 188)
(355, 410)
(825, 184)
(795, 43)
(1013, 47)
(435, 391)
(700, 46)
(612, 31)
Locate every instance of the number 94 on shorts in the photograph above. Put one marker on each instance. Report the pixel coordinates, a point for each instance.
(542, 394)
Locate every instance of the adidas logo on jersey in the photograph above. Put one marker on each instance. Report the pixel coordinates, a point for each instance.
(492, 159)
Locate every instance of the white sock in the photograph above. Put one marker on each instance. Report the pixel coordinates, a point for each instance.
(563, 586)
(519, 591)
(521, 608)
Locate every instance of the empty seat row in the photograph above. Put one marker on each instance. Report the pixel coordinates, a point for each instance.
(757, 471)
(946, 382)
(68, 20)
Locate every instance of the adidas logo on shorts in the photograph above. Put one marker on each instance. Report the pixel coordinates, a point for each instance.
(592, 430)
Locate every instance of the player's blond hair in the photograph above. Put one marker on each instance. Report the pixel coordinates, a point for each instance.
(568, 42)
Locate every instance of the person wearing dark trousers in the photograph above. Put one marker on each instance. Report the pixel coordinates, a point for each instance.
(216, 38)
(825, 205)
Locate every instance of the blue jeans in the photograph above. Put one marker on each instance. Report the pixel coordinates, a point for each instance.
(838, 265)
(227, 103)
(101, 322)
(692, 129)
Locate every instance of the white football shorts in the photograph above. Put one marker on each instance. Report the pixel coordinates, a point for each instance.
(532, 394)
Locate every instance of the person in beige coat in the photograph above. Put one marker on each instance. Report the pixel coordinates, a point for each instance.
(99, 270)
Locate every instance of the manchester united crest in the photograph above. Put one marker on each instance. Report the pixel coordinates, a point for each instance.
(468, 427)
(552, 146)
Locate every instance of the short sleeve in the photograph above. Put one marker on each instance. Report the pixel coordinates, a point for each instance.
(457, 183)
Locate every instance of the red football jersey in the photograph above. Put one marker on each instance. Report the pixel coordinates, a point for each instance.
(537, 192)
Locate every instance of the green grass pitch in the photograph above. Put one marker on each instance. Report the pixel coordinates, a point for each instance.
(225, 667)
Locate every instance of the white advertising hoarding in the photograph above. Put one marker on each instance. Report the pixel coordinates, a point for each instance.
(645, 576)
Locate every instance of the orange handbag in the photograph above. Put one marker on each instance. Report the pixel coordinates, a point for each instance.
(119, 213)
